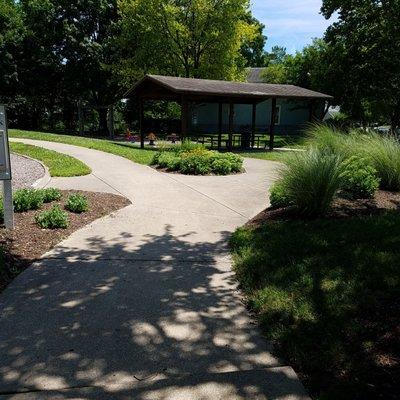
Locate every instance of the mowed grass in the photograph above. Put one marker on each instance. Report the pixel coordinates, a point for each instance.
(126, 150)
(276, 155)
(58, 164)
(326, 291)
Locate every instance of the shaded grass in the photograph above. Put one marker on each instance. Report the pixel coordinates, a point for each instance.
(327, 292)
(126, 150)
(276, 155)
(58, 164)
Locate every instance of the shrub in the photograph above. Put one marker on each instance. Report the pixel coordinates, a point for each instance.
(235, 161)
(221, 166)
(50, 194)
(1, 210)
(27, 199)
(77, 203)
(196, 162)
(168, 160)
(188, 145)
(384, 155)
(359, 179)
(279, 196)
(52, 219)
(312, 179)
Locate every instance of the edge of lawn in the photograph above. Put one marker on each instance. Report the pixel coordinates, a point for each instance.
(58, 164)
(123, 149)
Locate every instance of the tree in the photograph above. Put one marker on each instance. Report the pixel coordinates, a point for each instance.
(366, 42)
(252, 48)
(189, 38)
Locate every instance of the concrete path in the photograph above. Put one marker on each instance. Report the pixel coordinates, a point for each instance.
(142, 304)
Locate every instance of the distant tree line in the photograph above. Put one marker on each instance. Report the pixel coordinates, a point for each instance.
(60, 59)
(357, 61)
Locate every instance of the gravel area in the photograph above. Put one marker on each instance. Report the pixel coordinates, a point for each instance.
(25, 171)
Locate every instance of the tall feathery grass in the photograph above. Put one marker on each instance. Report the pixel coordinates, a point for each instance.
(382, 152)
(311, 180)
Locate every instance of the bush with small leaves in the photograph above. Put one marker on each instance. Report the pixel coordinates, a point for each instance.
(50, 194)
(168, 160)
(221, 166)
(359, 179)
(77, 203)
(27, 199)
(279, 196)
(55, 218)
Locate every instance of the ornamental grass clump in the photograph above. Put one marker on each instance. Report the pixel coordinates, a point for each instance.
(55, 218)
(383, 152)
(310, 181)
(77, 203)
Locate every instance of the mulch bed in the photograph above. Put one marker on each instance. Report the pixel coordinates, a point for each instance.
(341, 208)
(27, 242)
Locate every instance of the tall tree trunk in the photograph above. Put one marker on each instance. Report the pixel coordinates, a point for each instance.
(103, 121)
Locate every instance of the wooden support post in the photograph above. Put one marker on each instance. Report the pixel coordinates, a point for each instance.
(272, 124)
(219, 126)
(253, 124)
(311, 111)
(230, 133)
(111, 121)
(184, 118)
(141, 123)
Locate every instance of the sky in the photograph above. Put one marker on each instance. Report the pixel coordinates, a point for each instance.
(290, 23)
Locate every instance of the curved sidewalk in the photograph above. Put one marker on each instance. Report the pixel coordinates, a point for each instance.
(142, 304)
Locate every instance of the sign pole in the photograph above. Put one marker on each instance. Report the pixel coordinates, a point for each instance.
(5, 171)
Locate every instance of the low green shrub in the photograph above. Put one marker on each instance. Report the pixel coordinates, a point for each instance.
(359, 178)
(311, 180)
(77, 203)
(196, 162)
(195, 159)
(279, 196)
(54, 218)
(27, 199)
(168, 160)
(50, 194)
(221, 166)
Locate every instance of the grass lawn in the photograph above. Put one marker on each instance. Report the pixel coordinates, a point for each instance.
(58, 164)
(135, 154)
(327, 291)
(126, 150)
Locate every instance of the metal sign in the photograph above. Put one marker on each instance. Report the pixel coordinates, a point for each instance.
(5, 165)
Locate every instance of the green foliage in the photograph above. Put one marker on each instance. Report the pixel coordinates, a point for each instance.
(311, 180)
(314, 284)
(381, 152)
(58, 164)
(77, 203)
(278, 196)
(50, 194)
(359, 179)
(203, 38)
(221, 166)
(1, 210)
(167, 160)
(27, 199)
(54, 218)
(194, 159)
(384, 154)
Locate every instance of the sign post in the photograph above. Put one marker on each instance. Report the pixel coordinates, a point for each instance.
(5, 171)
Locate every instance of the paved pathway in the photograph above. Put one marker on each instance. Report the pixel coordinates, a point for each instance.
(142, 304)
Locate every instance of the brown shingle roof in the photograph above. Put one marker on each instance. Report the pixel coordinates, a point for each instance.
(227, 88)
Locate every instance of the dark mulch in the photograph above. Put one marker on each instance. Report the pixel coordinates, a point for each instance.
(341, 208)
(27, 242)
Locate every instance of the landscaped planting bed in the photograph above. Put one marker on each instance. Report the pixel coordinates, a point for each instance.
(28, 241)
(195, 159)
(320, 268)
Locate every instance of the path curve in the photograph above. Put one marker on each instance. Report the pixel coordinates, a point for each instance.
(142, 304)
